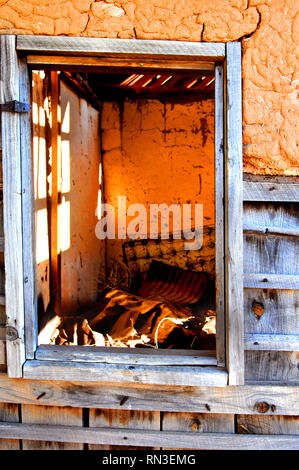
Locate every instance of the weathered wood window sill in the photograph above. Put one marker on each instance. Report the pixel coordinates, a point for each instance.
(87, 364)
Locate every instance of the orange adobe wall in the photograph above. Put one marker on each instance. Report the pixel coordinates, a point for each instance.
(268, 29)
(159, 153)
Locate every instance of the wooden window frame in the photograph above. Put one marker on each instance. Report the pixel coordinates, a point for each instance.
(24, 359)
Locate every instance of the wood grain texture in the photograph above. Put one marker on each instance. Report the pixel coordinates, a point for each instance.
(271, 342)
(28, 225)
(125, 355)
(275, 367)
(281, 311)
(271, 425)
(270, 191)
(271, 253)
(167, 375)
(12, 199)
(166, 439)
(9, 413)
(108, 46)
(271, 281)
(271, 270)
(234, 216)
(119, 419)
(198, 422)
(241, 399)
(51, 415)
(219, 213)
(102, 64)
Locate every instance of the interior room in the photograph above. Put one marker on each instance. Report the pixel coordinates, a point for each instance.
(134, 143)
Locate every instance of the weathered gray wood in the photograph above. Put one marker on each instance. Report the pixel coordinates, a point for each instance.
(271, 269)
(270, 191)
(51, 415)
(271, 342)
(273, 367)
(242, 399)
(197, 423)
(28, 226)
(125, 355)
(234, 216)
(279, 309)
(186, 440)
(167, 375)
(219, 213)
(271, 253)
(12, 198)
(137, 420)
(9, 413)
(247, 228)
(263, 424)
(108, 46)
(2, 352)
(271, 281)
(2, 299)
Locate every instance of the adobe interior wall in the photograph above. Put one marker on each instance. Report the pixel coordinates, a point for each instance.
(159, 153)
(268, 29)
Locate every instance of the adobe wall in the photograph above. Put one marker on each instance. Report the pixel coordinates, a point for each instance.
(268, 29)
(158, 153)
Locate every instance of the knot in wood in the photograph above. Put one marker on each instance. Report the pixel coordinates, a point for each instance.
(262, 407)
(11, 333)
(258, 308)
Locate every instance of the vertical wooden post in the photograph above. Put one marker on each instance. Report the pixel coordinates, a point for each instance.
(12, 200)
(219, 214)
(234, 216)
(28, 216)
(55, 193)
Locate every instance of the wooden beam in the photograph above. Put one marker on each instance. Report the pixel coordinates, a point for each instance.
(12, 205)
(28, 217)
(271, 342)
(92, 372)
(55, 283)
(90, 63)
(151, 438)
(237, 400)
(119, 47)
(288, 231)
(219, 213)
(270, 191)
(234, 216)
(129, 356)
(271, 281)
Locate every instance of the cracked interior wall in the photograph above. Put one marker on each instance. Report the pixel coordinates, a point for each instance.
(155, 153)
(268, 30)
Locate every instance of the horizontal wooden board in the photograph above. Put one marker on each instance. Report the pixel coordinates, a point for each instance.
(125, 355)
(268, 230)
(164, 375)
(263, 424)
(108, 46)
(240, 399)
(271, 342)
(271, 281)
(152, 438)
(271, 311)
(103, 63)
(270, 191)
(273, 367)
